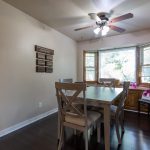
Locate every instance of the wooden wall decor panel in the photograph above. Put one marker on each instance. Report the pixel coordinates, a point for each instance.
(40, 62)
(44, 59)
(49, 63)
(40, 55)
(49, 70)
(49, 57)
(40, 69)
(44, 50)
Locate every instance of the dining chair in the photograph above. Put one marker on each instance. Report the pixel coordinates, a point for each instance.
(67, 80)
(70, 115)
(117, 112)
(107, 82)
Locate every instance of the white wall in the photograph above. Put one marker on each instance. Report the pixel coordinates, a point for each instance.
(21, 88)
(130, 39)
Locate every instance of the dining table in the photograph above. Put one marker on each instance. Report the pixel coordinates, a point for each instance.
(102, 97)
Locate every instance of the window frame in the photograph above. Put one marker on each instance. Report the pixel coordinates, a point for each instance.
(141, 64)
(138, 64)
(96, 66)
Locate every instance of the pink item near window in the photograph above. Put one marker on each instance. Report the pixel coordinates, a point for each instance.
(146, 95)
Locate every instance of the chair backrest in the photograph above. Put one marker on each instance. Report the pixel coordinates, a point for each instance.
(123, 97)
(126, 85)
(69, 80)
(107, 82)
(66, 100)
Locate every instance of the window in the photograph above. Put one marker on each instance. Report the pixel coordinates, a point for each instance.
(118, 63)
(145, 64)
(90, 66)
(125, 64)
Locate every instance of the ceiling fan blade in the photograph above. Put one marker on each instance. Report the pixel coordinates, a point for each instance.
(94, 16)
(123, 17)
(82, 28)
(115, 28)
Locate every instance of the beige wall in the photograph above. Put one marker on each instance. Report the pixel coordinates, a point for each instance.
(21, 88)
(130, 39)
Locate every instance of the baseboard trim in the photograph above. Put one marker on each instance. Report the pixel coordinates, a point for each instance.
(135, 111)
(26, 122)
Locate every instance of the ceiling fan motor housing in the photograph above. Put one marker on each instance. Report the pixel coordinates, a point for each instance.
(103, 16)
(101, 24)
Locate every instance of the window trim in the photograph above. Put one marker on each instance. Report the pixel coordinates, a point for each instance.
(141, 64)
(96, 66)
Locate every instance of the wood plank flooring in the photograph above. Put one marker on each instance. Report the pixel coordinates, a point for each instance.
(42, 135)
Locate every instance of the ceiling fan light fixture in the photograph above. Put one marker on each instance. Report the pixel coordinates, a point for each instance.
(97, 30)
(103, 33)
(105, 30)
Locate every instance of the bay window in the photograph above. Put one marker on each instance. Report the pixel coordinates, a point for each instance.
(125, 64)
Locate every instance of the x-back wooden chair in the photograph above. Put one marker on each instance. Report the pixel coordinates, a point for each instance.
(117, 112)
(70, 115)
(107, 82)
(67, 80)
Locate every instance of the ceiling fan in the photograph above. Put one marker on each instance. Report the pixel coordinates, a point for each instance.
(103, 23)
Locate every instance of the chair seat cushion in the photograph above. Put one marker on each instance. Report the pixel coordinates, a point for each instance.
(97, 109)
(113, 109)
(78, 120)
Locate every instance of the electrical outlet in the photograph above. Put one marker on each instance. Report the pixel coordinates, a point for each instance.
(40, 104)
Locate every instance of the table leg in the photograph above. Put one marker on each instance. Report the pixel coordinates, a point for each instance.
(139, 108)
(107, 126)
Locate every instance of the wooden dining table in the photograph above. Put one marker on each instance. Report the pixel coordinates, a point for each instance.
(102, 97)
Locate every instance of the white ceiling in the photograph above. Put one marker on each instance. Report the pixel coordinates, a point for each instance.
(67, 15)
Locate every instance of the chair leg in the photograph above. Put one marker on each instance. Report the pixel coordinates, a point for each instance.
(148, 109)
(61, 137)
(117, 131)
(86, 138)
(58, 129)
(98, 131)
(122, 122)
(139, 108)
(122, 126)
(92, 129)
(75, 132)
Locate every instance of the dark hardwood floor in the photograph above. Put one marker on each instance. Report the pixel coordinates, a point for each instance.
(42, 135)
